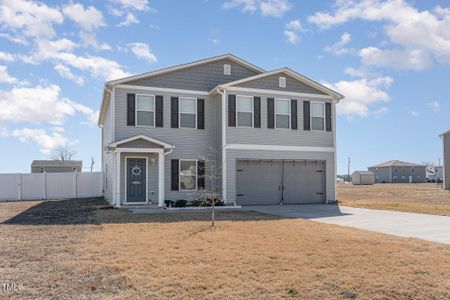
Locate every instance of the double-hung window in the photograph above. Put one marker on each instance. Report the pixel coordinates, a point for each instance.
(282, 113)
(188, 175)
(145, 110)
(188, 112)
(244, 111)
(317, 116)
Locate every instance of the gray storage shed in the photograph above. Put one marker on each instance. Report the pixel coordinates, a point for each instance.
(363, 177)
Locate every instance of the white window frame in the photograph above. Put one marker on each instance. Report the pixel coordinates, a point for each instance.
(179, 175)
(311, 116)
(252, 112)
(180, 112)
(276, 113)
(153, 111)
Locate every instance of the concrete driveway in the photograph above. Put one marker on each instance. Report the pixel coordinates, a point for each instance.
(426, 227)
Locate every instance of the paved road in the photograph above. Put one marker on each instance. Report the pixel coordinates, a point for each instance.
(426, 227)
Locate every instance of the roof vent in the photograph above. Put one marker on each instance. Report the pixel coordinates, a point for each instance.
(282, 82)
(227, 69)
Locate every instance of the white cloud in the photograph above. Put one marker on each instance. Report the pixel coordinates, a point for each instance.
(338, 47)
(415, 114)
(421, 36)
(143, 51)
(5, 77)
(291, 31)
(30, 18)
(130, 19)
(434, 106)
(274, 8)
(134, 4)
(65, 72)
(47, 142)
(88, 18)
(5, 56)
(14, 39)
(361, 94)
(40, 104)
(4, 132)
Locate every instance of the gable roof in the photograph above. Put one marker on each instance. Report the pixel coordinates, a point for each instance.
(143, 137)
(364, 172)
(56, 163)
(287, 71)
(188, 65)
(444, 133)
(396, 163)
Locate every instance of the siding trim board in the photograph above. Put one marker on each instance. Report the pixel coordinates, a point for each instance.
(236, 89)
(158, 89)
(278, 147)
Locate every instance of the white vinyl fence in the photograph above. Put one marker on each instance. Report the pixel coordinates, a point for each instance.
(37, 186)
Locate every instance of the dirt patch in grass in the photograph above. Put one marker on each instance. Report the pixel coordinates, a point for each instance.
(115, 254)
(419, 198)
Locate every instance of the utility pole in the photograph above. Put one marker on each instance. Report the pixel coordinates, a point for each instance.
(439, 161)
(348, 169)
(92, 163)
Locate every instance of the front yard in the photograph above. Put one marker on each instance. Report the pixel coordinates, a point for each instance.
(425, 198)
(72, 249)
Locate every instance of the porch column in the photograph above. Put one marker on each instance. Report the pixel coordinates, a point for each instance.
(118, 179)
(161, 178)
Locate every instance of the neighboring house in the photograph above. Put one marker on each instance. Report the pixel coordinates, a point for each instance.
(363, 178)
(446, 154)
(435, 173)
(271, 135)
(56, 166)
(396, 171)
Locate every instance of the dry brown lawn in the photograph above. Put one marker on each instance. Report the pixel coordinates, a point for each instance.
(111, 254)
(425, 198)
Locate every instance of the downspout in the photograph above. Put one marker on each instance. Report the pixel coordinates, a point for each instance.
(224, 156)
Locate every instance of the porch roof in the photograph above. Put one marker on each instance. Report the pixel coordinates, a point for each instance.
(141, 137)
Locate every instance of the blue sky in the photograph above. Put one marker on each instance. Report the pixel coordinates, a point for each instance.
(391, 59)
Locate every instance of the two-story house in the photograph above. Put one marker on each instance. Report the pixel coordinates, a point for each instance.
(271, 135)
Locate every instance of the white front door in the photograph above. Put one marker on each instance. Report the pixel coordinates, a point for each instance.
(410, 179)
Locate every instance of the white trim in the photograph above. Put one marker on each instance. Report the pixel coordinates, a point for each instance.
(164, 90)
(335, 152)
(179, 174)
(275, 92)
(252, 99)
(311, 116)
(140, 136)
(161, 190)
(117, 181)
(278, 148)
(112, 102)
(139, 150)
(187, 113)
(146, 178)
(299, 77)
(187, 65)
(153, 111)
(224, 141)
(289, 114)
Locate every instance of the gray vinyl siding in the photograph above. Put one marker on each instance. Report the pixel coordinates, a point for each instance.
(446, 140)
(152, 175)
(202, 77)
(386, 174)
(233, 155)
(382, 175)
(107, 158)
(272, 83)
(54, 169)
(266, 136)
(189, 143)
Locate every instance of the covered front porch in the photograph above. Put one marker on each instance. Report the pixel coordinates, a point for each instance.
(139, 171)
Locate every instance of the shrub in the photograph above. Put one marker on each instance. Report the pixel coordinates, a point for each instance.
(169, 203)
(180, 203)
(208, 202)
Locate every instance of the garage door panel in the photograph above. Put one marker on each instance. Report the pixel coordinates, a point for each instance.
(258, 182)
(304, 182)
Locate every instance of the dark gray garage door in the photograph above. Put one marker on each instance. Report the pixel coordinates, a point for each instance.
(272, 182)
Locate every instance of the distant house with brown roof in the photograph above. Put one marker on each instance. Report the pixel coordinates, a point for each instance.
(397, 171)
(56, 166)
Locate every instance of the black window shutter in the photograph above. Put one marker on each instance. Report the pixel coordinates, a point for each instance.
(232, 110)
(328, 116)
(270, 113)
(174, 112)
(306, 116)
(159, 111)
(131, 109)
(257, 112)
(200, 113)
(201, 174)
(294, 122)
(175, 172)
